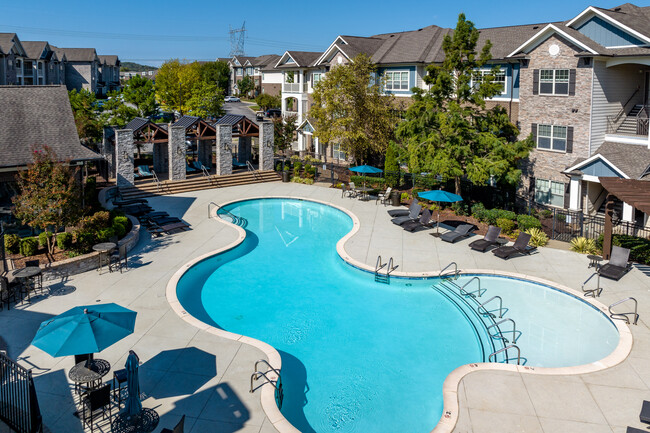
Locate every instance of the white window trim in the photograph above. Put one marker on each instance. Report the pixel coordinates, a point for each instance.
(397, 71)
(485, 72)
(551, 137)
(550, 189)
(539, 84)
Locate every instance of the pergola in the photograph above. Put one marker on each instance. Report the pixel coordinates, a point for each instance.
(633, 192)
(243, 128)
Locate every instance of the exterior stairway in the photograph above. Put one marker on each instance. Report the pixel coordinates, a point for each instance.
(195, 183)
(629, 125)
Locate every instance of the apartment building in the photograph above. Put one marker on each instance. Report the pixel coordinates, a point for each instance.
(259, 69)
(581, 87)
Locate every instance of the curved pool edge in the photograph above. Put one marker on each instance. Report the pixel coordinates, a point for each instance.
(450, 412)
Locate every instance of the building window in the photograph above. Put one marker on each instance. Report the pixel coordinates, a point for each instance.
(552, 137)
(249, 71)
(549, 192)
(554, 82)
(316, 77)
(499, 78)
(396, 80)
(238, 71)
(337, 153)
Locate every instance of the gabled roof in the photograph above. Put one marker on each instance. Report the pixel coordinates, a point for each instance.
(569, 34)
(266, 60)
(35, 49)
(506, 39)
(137, 124)
(186, 121)
(9, 41)
(630, 160)
(79, 54)
(60, 53)
(418, 46)
(628, 17)
(39, 115)
(230, 119)
(110, 60)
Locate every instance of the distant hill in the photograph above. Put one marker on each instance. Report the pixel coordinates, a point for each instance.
(135, 67)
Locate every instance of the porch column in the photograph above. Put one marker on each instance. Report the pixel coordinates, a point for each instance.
(575, 193)
(124, 157)
(176, 152)
(628, 212)
(284, 105)
(301, 141)
(224, 149)
(266, 146)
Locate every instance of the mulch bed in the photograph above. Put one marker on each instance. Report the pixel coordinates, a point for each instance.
(43, 258)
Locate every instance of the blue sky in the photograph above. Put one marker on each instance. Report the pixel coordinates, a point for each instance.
(151, 32)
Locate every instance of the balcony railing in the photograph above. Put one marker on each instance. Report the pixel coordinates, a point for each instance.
(294, 87)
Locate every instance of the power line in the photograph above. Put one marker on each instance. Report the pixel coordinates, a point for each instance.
(237, 39)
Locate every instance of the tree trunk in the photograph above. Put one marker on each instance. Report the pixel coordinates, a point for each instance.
(457, 184)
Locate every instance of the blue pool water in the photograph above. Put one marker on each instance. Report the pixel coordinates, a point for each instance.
(360, 356)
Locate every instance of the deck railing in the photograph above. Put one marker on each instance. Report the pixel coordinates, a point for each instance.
(18, 403)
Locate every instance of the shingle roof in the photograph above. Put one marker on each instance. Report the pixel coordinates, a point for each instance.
(420, 46)
(39, 115)
(507, 39)
(631, 16)
(186, 121)
(230, 119)
(79, 54)
(266, 60)
(633, 159)
(34, 49)
(304, 58)
(7, 41)
(110, 60)
(137, 123)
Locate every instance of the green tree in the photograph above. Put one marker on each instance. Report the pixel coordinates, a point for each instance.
(205, 100)
(84, 110)
(264, 100)
(449, 131)
(350, 108)
(217, 73)
(49, 195)
(140, 91)
(116, 112)
(174, 84)
(284, 131)
(246, 85)
(391, 166)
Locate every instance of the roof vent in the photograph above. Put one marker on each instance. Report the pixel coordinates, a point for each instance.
(392, 36)
(535, 27)
(617, 9)
(419, 30)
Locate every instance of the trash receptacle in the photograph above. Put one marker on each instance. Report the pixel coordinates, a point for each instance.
(395, 198)
(285, 176)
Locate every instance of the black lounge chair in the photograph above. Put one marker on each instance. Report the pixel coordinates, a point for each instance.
(459, 232)
(635, 430)
(490, 239)
(424, 222)
(617, 266)
(402, 212)
(520, 247)
(644, 416)
(178, 429)
(412, 216)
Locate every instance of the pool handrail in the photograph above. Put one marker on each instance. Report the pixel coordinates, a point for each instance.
(494, 354)
(623, 316)
(466, 293)
(456, 273)
(500, 333)
(482, 306)
(592, 292)
(235, 219)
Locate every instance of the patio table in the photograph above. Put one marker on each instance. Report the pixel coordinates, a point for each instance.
(145, 422)
(364, 190)
(103, 248)
(27, 275)
(90, 372)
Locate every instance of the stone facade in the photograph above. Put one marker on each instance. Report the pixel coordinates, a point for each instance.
(266, 146)
(177, 152)
(512, 108)
(224, 149)
(571, 111)
(124, 157)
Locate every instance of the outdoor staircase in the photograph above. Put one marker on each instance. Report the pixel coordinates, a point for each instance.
(152, 188)
(629, 125)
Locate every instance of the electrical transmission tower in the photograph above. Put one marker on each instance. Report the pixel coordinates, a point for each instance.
(237, 37)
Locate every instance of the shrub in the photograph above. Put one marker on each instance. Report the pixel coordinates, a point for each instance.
(495, 214)
(119, 229)
(12, 244)
(391, 166)
(479, 212)
(537, 237)
(405, 196)
(84, 240)
(278, 166)
(639, 247)
(583, 245)
(64, 241)
(43, 239)
(104, 235)
(560, 217)
(546, 213)
(507, 225)
(28, 246)
(459, 208)
(525, 222)
(297, 166)
(121, 220)
(370, 180)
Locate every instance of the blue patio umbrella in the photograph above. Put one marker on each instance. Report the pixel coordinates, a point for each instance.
(365, 169)
(439, 195)
(132, 406)
(84, 329)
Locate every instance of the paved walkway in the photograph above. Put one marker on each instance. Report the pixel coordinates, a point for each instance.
(187, 371)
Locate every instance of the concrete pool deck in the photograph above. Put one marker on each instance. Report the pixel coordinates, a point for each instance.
(189, 371)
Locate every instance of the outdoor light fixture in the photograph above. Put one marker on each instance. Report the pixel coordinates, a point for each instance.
(180, 151)
(125, 155)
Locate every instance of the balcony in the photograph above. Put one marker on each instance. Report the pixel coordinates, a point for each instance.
(634, 125)
(294, 87)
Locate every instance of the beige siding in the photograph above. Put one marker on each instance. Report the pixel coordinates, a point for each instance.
(612, 88)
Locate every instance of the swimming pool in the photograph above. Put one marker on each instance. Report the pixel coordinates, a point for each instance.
(359, 355)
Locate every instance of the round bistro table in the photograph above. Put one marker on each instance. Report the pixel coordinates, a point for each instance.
(103, 248)
(144, 422)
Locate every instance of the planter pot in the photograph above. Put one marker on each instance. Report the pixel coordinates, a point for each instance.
(395, 198)
(285, 176)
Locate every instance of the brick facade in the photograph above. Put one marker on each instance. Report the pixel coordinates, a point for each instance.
(512, 108)
(274, 89)
(571, 111)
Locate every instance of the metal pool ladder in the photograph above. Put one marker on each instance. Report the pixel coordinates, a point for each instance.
(593, 292)
(384, 278)
(455, 274)
(625, 316)
(277, 383)
(235, 219)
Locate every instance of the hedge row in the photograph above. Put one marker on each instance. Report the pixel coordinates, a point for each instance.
(505, 219)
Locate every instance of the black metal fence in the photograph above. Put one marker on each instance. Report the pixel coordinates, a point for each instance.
(18, 403)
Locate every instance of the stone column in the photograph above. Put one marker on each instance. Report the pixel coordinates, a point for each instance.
(108, 151)
(176, 151)
(266, 146)
(244, 150)
(160, 157)
(205, 153)
(224, 149)
(124, 157)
